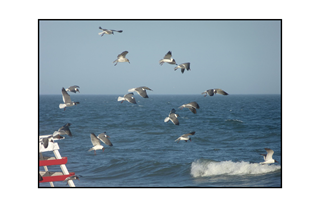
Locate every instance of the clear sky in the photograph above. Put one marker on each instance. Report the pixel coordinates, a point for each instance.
(240, 57)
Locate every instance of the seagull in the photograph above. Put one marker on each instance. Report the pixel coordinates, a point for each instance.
(96, 141)
(121, 58)
(73, 177)
(73, 89)
(191, 106)
(172, 117)
(128, 97)
(141, 91)
(67, 100)
(108, 31)
(63, 130)
(45, 141)
(168, 59)
(185, 137)
(268, 157)
(211, 92)
(183, 66)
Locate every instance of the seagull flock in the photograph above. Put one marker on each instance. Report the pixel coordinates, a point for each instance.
(142, 91)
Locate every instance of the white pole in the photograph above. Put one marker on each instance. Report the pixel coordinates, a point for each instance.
(63, 167)
(45, 168)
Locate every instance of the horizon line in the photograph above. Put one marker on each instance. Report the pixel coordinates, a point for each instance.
(167, 94)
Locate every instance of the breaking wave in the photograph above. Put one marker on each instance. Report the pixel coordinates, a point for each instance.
(205, 168)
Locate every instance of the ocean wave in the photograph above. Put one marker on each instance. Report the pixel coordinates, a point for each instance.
(207, 168)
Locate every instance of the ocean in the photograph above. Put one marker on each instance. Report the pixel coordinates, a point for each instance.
(230, 134)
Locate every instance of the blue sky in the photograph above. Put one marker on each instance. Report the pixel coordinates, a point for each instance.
(240, 57)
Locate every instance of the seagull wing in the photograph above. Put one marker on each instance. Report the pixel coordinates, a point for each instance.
(168, 55)
(129, 98)
(187, 135)
(117, 31)
(220, 91)
(65, 130)
(173, 118)
(186, 66)
(194, 104)
(270, 153)
(123, 54)
(65, 96)
(132, 100)
(128, 95)
(45, 142)
(71, 88)
(95, 141)
(146, 88)
(104, 138)
(264, 156)
(193, 110)
(142, 92)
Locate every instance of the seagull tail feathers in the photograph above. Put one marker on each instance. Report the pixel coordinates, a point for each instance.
(131, 90)
(61, 106)
(121, 98)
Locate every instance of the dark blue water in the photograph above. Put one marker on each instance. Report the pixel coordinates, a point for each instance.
(231, 133)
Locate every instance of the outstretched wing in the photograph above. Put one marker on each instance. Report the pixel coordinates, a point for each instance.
(220, 91)
(103, 137)
(168, 55)
(95, 141)
(173, 118)
(123, 54)
(270, 153)
(65, 96)
(187, 135)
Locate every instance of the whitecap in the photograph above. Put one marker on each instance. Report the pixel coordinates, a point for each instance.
(205, 168)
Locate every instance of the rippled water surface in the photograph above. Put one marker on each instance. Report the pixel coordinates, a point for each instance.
(231, 133)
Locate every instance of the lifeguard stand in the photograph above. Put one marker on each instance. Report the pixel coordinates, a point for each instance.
(48, 176)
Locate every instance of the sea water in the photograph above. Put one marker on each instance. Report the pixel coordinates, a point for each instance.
(230, 134)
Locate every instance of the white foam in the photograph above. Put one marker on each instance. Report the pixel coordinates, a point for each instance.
(203, 168)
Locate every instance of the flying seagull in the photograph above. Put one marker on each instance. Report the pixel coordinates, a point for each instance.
(63, 130)
(168, 59)
(121, 58)
(185, 137)
(108, 31)
(183, 66)
(67, 100)
(173, 117)
(96, 141)
(73, 177)
(141, 91)
(128, 97)
(73, 89)
(211, 92)
(192, 106)
(268, 157)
